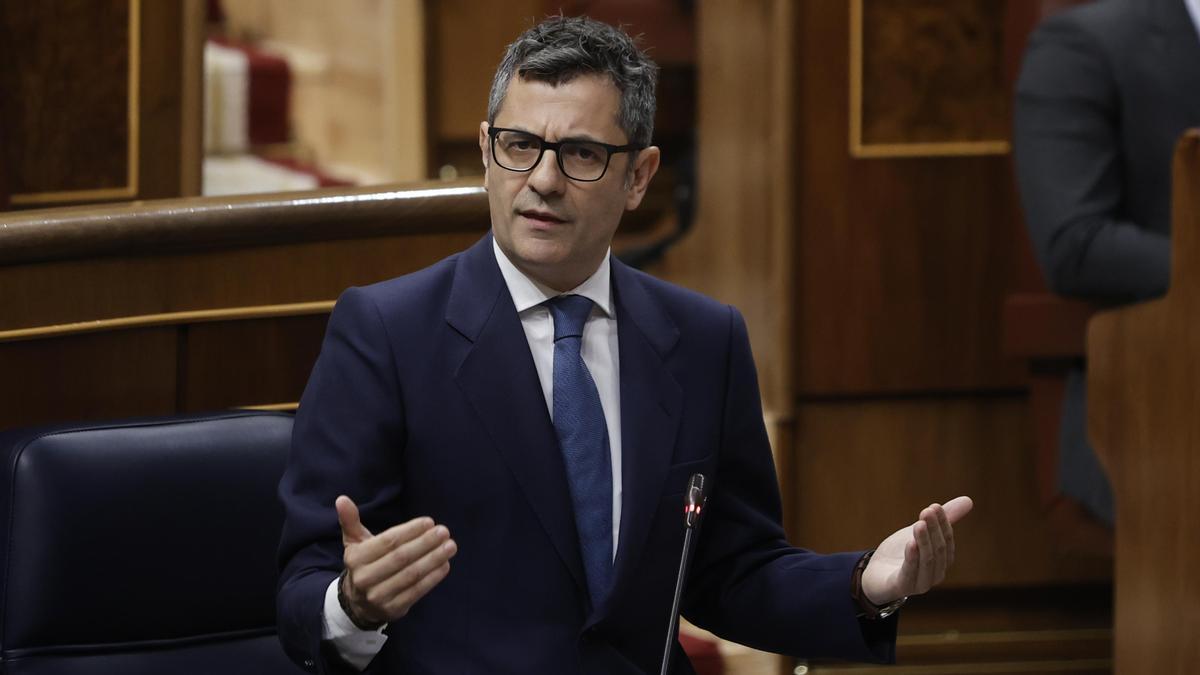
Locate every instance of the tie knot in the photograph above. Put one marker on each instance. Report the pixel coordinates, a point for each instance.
(569, 312)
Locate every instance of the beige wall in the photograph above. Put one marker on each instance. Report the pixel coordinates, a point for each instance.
(359, 85)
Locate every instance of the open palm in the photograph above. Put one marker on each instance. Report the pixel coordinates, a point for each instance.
(915, 558)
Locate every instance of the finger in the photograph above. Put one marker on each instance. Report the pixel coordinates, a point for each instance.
(933, 516)
(410, 584)
(396, 559)
(948, 533)
(353, 531)
(957, 508)
(925, 549)
(404, 602)
(380, 545)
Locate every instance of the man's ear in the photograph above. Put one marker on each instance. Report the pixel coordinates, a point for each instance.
(485, 150)
(644, 168)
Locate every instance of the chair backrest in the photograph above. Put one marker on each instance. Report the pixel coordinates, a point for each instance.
(142, 547)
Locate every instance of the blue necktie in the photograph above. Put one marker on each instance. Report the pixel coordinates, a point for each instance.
(583, 437)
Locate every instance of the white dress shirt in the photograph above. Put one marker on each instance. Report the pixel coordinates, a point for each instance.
(599, 350)
(1193, 7)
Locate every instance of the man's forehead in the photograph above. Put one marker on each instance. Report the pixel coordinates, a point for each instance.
(585, 102)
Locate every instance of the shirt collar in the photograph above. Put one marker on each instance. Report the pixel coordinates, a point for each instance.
(527, 293)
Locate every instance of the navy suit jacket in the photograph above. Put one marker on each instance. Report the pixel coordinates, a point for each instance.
(425, 402)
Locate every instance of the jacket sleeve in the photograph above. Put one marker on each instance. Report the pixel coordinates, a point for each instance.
(747, 583)
(348, 439)
(1069, 164)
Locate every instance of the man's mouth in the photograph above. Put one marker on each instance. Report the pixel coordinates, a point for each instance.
(542, 216)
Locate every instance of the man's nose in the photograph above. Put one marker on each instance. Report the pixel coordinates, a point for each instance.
(547, 177)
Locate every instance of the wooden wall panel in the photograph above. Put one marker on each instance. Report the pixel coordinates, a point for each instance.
(466, 39)
(59, 69)
(740, 249)
(88, 377)
(245, 363)
(101, 100)
(902, 263)
(70, 291)
(169, 99)
(932, 72)
(863, 469)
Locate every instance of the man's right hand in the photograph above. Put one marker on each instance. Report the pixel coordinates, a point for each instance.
(387, 573)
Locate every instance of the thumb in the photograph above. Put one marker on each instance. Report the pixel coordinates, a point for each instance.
(353, 531)
(957, 508)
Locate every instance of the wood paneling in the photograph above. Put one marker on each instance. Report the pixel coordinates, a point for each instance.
(1143, 393)
(863, 469)
(169, 78)
(932, 72)
(55, 293)
(1000, 632)
(238, 363)
(1041, 325)
(61, 68)
(96, 100)
(468, 40)
(740, 249)
(902, 264)
(102, 376)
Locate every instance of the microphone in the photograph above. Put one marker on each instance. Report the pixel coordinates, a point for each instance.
(693, 506)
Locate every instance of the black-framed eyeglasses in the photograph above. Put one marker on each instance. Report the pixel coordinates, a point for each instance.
(584, 161)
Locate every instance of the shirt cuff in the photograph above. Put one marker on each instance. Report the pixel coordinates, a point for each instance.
(356, 646)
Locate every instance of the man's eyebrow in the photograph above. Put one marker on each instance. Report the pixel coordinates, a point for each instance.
(582, 138)
(578, 138)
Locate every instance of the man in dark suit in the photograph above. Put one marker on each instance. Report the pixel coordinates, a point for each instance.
(547, 405)
(1105, 91)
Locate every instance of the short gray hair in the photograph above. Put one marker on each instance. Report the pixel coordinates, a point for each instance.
(561, 48)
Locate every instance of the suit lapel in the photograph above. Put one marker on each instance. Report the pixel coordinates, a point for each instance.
(498, 377)
(651, 403)
(1177, 40)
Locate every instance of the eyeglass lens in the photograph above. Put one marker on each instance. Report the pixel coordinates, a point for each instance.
(580, 160)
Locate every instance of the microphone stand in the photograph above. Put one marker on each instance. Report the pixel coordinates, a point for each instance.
(692, 506)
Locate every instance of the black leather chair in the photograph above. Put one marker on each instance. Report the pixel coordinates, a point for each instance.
(142, 547)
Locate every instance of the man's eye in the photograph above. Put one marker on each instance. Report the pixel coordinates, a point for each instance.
(521, 144)
(584, 153)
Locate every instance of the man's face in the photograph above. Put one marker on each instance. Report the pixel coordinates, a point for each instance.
(555, 229)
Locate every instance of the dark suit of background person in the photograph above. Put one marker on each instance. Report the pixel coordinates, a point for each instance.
(1105, 91)
(425, 400)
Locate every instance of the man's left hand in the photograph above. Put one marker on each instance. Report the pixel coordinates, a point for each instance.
(915, 558)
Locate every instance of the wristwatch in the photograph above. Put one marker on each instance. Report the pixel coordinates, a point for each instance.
(867, 609)
(345, 603)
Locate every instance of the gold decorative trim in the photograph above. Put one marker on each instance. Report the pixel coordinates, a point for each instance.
(130, 190)
(877, 150)
(1047, 666)
(167, 319)
(961, 638)
(272, 407)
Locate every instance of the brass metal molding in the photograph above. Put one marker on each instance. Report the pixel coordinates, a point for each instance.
(167, 319)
